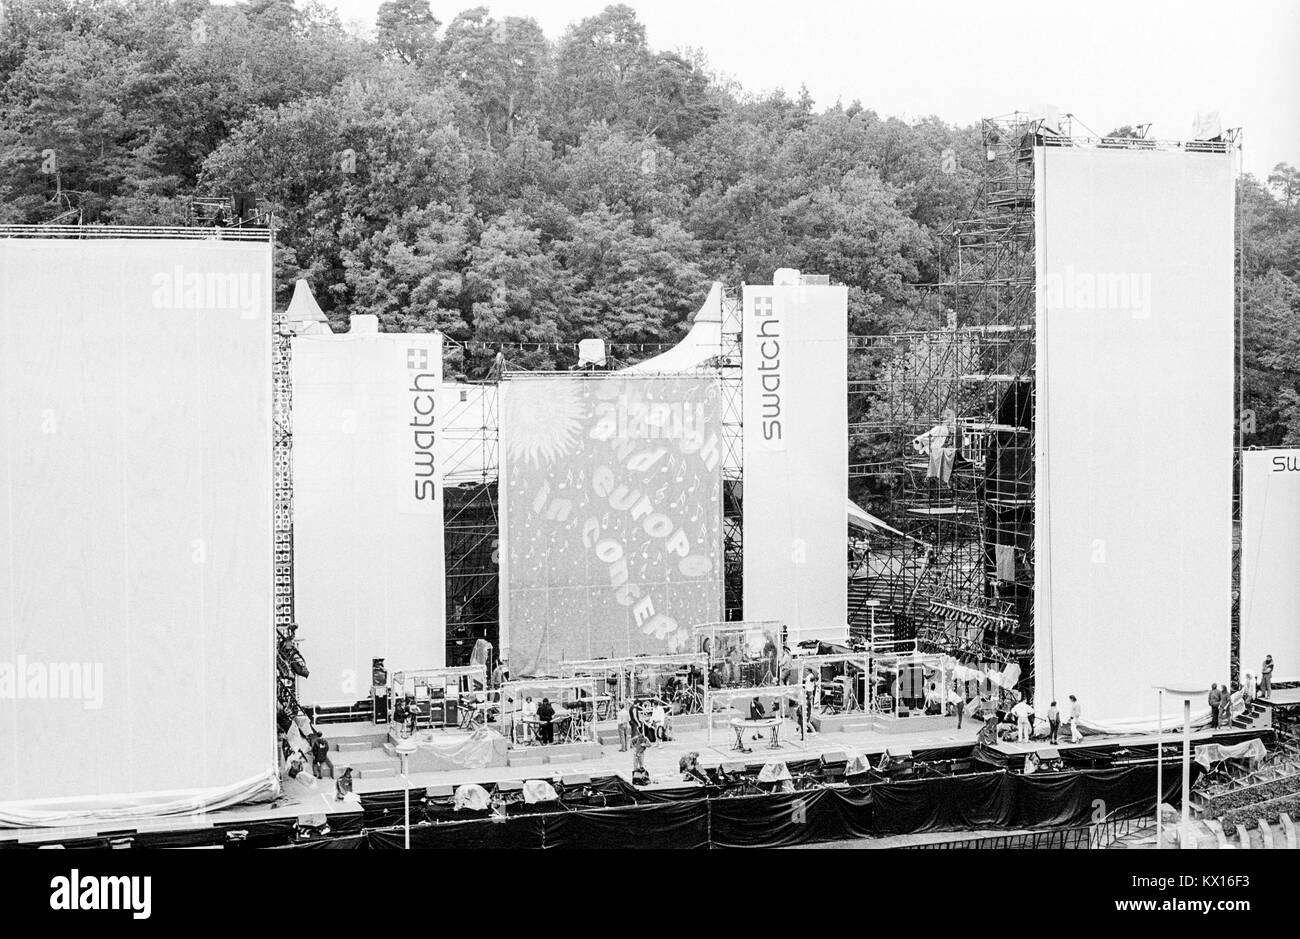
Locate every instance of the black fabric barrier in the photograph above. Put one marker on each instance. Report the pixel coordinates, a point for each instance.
(982, 801)
(718, 817)
(679, 824)
(781, 819)
(945, 803)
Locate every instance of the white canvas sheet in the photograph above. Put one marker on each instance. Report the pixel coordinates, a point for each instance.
(796, 478)
(1134, 426)
(136, 591)
(1270, 562)
(368, 524)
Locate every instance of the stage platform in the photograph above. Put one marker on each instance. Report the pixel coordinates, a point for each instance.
(1282, 697)
(309, 797)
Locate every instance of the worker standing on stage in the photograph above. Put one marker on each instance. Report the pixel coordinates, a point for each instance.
(1266, 678)
(640, 776)
(624, 727)
(1023, 713)
(1213, 701)
(1053, 723)
(320, 756)
(1076, 714)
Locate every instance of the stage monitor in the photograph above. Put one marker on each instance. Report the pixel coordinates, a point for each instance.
(611, 513)
(1134, 426)
(1270, 559)
(796, 459)
(136, 545)
(368, 508)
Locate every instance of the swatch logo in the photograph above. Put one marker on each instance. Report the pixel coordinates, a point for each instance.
(424, 424)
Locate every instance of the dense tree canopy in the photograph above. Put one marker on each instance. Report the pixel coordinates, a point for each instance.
(479, 177)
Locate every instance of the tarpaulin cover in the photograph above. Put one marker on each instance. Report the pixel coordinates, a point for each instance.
(1210, 753)
(136, 530)
(1133, 492)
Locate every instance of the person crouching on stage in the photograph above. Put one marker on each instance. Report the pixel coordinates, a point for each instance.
(545, 715)
(689, 767)
(343, 785)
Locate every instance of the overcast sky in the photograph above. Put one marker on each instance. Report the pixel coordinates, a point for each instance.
(1109, 62)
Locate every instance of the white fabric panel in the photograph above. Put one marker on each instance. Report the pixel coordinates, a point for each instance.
(368, 525)
(1270, 556)
(796, 480)
(135, 523)
(1134, 426)
(611, 514)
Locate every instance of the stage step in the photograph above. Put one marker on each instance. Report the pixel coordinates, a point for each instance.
(353, 746)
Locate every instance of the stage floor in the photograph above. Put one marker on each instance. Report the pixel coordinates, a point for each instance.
(1283, 697)
(309, 796)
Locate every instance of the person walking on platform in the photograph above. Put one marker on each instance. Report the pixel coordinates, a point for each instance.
(1214, 706)
(1076, 714)
(1225, 707)
(624, 727)
(1053, 723)
(1266, 678)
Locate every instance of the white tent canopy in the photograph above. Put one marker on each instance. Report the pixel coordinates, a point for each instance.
(699, 348)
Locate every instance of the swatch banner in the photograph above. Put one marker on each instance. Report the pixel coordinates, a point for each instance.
(1270, 546)
(368, 525)
(795, 403)
(612, 515)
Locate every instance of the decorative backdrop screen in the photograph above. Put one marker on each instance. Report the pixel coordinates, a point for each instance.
(611, 497)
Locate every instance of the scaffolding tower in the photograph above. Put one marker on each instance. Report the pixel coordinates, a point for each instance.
(946, 416)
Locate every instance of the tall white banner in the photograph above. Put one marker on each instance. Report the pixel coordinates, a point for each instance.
(1270, 562)
(796, 461)
(136, 545)
(612, 515)
(368, 524)
(1134, 426)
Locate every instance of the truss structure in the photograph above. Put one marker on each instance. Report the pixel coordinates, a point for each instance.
(945, 418)
(471, 520)
(733, 444)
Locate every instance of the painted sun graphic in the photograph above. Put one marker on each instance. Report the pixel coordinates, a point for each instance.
(542, 421)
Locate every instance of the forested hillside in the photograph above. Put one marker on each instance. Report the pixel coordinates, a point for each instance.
(479, 177)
